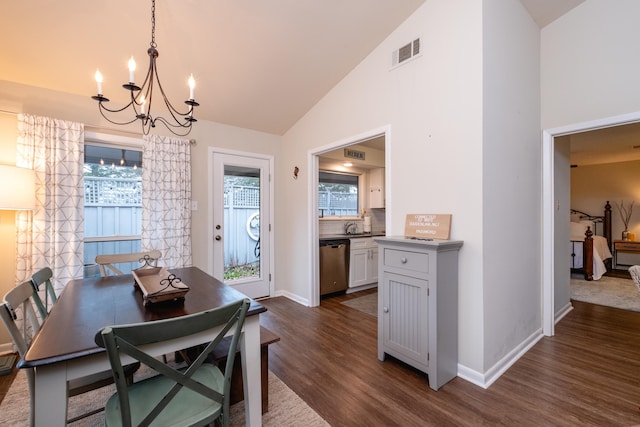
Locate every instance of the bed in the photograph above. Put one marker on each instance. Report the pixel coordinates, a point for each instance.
(590, 243)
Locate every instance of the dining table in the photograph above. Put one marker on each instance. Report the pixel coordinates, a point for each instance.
(64, 348)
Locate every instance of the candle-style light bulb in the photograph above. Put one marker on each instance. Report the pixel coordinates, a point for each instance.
(98, 78)
(142, 102)
(132, 68)
(192, 85)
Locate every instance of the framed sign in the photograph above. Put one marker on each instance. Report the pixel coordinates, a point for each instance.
(428, 226)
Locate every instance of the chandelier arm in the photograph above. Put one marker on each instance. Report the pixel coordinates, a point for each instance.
(115, 111)
(147, 79)
(170, 106)
(102, 108)
(171, 127)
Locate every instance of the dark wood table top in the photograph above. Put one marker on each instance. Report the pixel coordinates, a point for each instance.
(87, 305)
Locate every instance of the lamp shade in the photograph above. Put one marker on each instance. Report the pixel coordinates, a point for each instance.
(17, 188)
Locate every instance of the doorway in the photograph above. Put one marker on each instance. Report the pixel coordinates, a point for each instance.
(240, 224)
(314, 167)
(550, 206)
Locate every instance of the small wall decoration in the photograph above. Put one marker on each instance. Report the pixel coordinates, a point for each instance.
(428, 226)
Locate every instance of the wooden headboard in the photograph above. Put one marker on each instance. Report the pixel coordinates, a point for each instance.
(604, 219)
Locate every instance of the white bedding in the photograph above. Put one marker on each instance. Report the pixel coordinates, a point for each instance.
(601, 250)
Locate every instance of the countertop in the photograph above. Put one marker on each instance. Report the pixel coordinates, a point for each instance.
(435, 243)
(350, 236)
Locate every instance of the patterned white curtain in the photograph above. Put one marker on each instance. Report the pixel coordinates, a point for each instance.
(166, 199)
(52, 234)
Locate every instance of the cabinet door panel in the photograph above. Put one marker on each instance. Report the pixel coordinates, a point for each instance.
(405, 315)
(373, 266)
(358, 269)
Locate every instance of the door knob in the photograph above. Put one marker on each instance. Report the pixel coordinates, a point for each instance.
(385, 309)
(218, 237)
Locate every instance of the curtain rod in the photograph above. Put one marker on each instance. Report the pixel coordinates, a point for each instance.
(99, 129)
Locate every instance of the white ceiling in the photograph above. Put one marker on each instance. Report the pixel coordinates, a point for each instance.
(545, 12)
(607, 145)
(258, 64)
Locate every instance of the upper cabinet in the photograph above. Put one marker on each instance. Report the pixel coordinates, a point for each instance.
(376, 188)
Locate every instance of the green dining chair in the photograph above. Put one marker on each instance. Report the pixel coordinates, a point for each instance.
(24, 327)
(38, 279)
(193, 396)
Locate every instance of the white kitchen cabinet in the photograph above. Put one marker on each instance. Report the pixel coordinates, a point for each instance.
(376, 188)
(363, 261)
(418, 305)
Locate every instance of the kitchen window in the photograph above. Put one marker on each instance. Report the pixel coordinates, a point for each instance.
(338, 195)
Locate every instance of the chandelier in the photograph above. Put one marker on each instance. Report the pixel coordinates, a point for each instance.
(178, 123)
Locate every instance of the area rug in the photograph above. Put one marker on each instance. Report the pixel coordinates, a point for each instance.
(609, 291)
(285, 407)
(367, 304)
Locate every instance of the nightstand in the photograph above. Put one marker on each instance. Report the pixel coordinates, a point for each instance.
(625, 253)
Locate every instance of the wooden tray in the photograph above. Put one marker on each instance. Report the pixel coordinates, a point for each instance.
(156, 285)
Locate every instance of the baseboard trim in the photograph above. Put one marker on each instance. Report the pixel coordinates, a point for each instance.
(6, 348)
(293, 297)
(563, 312)
(491, 375)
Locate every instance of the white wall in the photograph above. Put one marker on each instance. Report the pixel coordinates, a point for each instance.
(590, 63)
(511, 179)
(589, 72)
(561, 182)
(434, 107)
(592, 186)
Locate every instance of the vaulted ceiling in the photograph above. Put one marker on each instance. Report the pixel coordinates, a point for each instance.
(258, 64)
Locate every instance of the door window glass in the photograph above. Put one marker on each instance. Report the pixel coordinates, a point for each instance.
(242, 222)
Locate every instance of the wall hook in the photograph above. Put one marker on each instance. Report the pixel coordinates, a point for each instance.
(295, 172)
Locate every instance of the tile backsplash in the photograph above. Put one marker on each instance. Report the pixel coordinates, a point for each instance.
(335, 226)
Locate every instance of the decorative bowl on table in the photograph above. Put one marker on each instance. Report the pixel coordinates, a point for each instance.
(158, 284)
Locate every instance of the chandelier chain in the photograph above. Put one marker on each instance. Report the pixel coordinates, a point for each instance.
(153, 24)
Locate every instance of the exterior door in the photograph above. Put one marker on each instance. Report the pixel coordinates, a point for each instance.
(241, 223)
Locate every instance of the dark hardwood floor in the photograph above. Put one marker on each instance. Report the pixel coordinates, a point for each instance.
(588, 374)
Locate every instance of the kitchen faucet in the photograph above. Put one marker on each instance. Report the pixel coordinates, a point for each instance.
(352, 226)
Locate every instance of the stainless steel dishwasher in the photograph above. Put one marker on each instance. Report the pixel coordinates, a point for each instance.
(334, 266)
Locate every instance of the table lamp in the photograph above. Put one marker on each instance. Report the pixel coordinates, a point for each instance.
(17, 191)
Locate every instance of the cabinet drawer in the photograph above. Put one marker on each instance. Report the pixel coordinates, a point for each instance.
(363, 243)
(631, 247)
(413, 261)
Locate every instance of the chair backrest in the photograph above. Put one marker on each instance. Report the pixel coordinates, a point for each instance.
(634, 270)
(21, 334)
(146, 259)
(127, 339)
(19, 298)
(39, 278)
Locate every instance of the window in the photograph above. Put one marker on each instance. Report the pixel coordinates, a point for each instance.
(112, 203)
(337, 194)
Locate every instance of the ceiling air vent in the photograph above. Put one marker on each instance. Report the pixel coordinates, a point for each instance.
(405, 53)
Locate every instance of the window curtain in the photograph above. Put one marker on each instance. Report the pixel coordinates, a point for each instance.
(52, 234)
(166, 199)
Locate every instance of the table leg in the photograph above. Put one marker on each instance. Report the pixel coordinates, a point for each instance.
(51, 395)
(250, 347)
